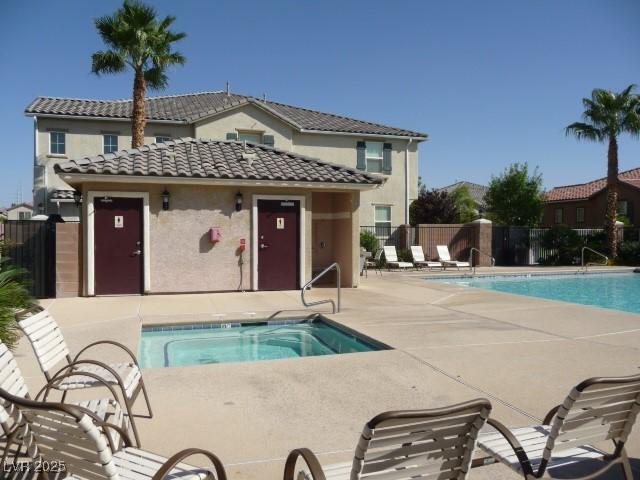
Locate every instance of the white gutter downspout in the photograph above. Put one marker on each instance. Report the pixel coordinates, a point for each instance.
(406, 182)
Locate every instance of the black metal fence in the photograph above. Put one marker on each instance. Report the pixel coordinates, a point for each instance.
(32, 245)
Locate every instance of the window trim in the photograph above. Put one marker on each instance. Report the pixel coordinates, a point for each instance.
(376, 222)
(64, 136)
(584, 211)
(626, 208)
(258, 133)
(367, 157)
(104, 143)
(166, 138)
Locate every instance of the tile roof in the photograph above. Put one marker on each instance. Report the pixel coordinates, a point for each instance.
(583, 191)
(191, 107)
(61, 195)
(476, 190)
(213, 159)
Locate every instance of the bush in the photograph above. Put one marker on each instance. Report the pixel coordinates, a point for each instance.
(369, 241)
(628, 253)
(13, 296)
(404, 255)
(565, 244)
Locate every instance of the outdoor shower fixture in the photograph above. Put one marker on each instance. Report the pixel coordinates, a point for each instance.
(165, 199)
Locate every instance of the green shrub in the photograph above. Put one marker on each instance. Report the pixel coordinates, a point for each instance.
(369, 241)
(404, 255)
(565, 244)
(13, 296)
(628, 253)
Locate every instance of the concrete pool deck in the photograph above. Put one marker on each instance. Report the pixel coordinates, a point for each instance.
(450, 343)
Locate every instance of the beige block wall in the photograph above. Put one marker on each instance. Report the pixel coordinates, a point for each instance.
(83, 138)
(68, 260)
(247, 117)
(183, 260)
(341, 149)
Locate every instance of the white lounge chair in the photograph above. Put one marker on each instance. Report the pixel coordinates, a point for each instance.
(12, 381)
(55, 360)
(73, 438)
(445, 257)
(426, 444)
(419, 260)
(391, 257)
(597, 410)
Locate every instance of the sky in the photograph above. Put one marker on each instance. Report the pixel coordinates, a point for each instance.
(490, 82)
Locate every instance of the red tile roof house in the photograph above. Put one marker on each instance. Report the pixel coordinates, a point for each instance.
(583, 205)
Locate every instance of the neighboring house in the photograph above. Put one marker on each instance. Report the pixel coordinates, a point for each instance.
(476, 191)
(583, 205)
(68, 128)
(20, 211)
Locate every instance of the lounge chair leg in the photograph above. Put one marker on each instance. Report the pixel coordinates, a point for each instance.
(626, 466)
(127, 405)
(146, 397)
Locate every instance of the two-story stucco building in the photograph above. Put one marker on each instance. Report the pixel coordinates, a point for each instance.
(230, 192)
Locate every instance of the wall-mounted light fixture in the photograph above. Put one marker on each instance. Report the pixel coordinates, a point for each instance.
(238, 201)
(77, 198)
(165, 199)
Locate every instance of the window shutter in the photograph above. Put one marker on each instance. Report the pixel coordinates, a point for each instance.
(386, 158)
(268, 140)
(361, 163)
(232, 136)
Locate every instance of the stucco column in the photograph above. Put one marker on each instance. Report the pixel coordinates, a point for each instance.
(483, 242)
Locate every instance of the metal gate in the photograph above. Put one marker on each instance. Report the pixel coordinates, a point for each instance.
(31, 245)
(510, 245)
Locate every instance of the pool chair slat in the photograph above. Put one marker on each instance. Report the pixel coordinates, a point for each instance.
(599, 401)
(610, 392)
(431, 464)
(396, 426)
(417, 473)
(420, 436)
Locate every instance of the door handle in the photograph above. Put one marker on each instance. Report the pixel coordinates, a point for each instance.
(137, 252)
(263, 246)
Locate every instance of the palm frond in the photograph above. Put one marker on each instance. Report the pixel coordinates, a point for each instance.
(156, 78)
(585, 131)
(107, 61)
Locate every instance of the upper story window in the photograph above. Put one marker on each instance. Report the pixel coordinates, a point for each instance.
(558, 215)
(162, 138)
(109, 143)
(579, 214)
(373, 156)
(253, 137)
(57, 143)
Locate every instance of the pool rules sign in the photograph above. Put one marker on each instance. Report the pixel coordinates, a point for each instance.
(118, 221)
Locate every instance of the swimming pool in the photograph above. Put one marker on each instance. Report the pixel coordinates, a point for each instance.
(618, 291)
(206, 343)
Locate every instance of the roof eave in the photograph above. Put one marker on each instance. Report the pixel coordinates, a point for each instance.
(80, 178)
(417, 138)
(111, 119)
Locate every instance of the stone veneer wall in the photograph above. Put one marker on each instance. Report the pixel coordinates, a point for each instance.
(68, 266)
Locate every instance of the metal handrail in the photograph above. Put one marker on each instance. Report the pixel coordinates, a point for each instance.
(314, 279)
(586, 265)
(493, 260)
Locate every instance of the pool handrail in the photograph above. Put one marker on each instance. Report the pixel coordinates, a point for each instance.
(586, 265)
(316, 278)
(473, 267)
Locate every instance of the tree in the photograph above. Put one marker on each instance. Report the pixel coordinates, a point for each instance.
(606, 116)
(137, 39)
(515, 196)
(432, 206)
(465, 204)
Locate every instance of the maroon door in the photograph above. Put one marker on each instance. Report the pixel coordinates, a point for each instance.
(278, 244)
(118, 256)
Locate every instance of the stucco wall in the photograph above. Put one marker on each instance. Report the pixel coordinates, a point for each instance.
(247, 117)
(181, 257)
(341, 149)
(84, 138)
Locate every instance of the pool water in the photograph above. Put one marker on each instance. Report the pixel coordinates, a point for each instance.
(199, 344)
(618, 291)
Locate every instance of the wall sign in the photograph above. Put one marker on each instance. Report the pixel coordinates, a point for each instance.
(118, 221)
(287, 204)
(280, 223)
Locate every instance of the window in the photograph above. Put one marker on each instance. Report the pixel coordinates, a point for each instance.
(253, 137)
(623, 208)
(24, 215)
(57, 143)
(383, 221)
(110, 143)
(162, 138)
(558, 215)
(373, 155)
(580, 215)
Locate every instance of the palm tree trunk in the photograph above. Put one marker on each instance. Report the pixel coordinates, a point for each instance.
(137, 115)
(612, 197)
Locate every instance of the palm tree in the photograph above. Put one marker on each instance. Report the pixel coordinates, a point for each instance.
(136, 38)
(606, 116)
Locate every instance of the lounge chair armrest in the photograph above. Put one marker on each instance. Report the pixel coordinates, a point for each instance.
(108, 342)
(515, 445)
(310, 459)
(101, 365)
(51, 385)
(180, 456)
(126, 439)
(549, 416)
